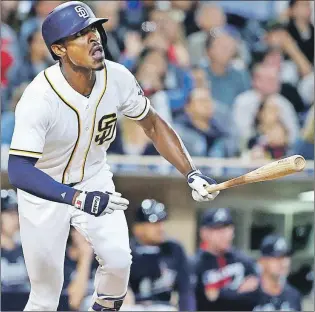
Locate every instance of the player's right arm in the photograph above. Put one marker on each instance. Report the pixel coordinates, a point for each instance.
(33, 119)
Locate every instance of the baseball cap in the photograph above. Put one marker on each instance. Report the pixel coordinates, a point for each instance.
(275, 246)
(150, 211)
(217, 217)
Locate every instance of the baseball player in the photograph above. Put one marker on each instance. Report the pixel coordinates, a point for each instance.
(160, 265)
(274, 293)
(222, 273)
(65, 122)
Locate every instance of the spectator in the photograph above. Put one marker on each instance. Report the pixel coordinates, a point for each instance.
(226, 81)
(280, 38)
(199, 76)
(306, 89)
(271, 136)
(301, 28)
(202, 131)
(114, 29)
(36, 60)
(150, 73)
(160, 265)
(188, 7)
(265, 83)
(14, 276)
(7, 117)
(222, 273)
(79, 271)
(10, 61)
(42, 9)
(274, 293)
(305, 143)
(273, 58)
(209, 19)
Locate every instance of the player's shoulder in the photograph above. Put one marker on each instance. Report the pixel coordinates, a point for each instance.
(240, 255)
(118, 71)
(291, 291)
(173, 244)
(38, 88)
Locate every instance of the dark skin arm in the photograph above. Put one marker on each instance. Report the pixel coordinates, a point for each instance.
(167, 142)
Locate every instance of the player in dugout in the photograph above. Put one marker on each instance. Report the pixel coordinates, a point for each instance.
(274, 293)
(222, 274)
(160, 267)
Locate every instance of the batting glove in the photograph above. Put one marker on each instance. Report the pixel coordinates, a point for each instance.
(199, 183)
(98, 203)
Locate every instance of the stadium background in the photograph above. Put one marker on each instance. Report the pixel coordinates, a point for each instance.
(164, 44)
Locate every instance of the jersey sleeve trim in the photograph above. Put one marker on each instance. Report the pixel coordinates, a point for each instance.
(92, 132)
(143, 113)
(79, 127)
(18, 152)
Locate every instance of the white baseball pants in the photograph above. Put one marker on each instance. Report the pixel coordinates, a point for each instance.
(44, 227)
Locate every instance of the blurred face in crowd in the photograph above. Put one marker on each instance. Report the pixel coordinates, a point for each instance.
(110, 9)
(156, 40)
(83, 50)
(209, 17)
(218, 239)
(171, 29)
(38, 46)
(277, 135)
(43, 8)
(273, 59)
(150, 233)
(149, 79)
(200, 105)
(275, 268)
(266, 80)
(9, 222)
(302, 11)
(156, 59)
(269, 113)
(222, 49)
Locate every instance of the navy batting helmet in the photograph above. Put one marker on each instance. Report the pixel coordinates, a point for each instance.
(68, 19)
(151, 211)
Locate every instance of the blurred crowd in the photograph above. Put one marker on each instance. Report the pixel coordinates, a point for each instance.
(235, 79)
(163, 277)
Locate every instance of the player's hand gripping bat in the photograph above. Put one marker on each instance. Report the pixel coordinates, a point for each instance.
(272, 171)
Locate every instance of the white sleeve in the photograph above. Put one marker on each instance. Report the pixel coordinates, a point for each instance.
(31, 125)
(134, 104)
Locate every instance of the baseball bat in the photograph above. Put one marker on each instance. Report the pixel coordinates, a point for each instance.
(274, 170)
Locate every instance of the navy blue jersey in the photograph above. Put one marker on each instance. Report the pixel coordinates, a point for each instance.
(288, 300)
(157, 271)
(218, 278)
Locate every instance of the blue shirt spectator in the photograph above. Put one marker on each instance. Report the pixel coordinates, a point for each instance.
(225, 80)
(203, 132)
(7, 117)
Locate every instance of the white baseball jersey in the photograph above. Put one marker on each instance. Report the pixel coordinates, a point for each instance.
(69, 132)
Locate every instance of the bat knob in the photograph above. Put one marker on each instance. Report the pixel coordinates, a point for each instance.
(299, 162)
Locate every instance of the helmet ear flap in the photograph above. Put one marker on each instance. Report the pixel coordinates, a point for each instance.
(103, 35)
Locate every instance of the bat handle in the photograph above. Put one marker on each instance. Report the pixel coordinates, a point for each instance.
(216, 187)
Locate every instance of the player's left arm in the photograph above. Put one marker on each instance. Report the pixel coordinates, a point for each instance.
(170, 146)
(136, 106)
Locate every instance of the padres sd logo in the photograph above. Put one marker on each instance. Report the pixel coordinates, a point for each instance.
(82, 12)
(106, 128)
